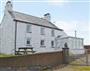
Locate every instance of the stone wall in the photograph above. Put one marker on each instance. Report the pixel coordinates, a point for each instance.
(25, 62)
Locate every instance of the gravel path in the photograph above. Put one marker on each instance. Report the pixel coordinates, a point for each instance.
(66, 68)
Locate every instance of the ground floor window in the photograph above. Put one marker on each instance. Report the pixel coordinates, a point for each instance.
(52, 44)
(42, 43)
(28, 41)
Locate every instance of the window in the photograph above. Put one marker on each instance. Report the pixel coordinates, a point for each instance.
(52, 32)
(28, 42)
(52, 43)
(42, 43)
(28, 28)
(42, 31)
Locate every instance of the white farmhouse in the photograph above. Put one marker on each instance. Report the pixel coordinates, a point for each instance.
(20, 30)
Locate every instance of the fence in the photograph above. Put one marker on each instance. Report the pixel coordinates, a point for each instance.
(79, 57)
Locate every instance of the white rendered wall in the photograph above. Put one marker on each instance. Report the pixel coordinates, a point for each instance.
(74, 44)
(7, 34)
(36, 37)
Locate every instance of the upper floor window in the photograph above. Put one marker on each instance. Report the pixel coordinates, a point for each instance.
(52, 43)
(28, 28)
(42, 31)
(28, 42)
(52, 32)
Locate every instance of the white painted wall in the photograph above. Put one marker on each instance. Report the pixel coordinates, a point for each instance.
(75, 45)
(36, 37)
(7, 34)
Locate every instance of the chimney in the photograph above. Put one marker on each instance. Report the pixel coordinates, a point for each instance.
(47, 16)
(8, 6)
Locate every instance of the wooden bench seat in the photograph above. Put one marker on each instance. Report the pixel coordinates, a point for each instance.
(25, 51)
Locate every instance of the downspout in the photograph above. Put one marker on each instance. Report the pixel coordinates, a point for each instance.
(15, 37)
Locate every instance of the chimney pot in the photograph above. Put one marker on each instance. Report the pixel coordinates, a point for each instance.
(47, 16)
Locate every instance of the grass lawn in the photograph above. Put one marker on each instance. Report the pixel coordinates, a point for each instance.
(73, 68)
(5, 55)
(81, 68)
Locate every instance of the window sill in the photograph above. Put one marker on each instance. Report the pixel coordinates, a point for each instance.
(42, 34)
(28, 45)
(43, 46)
(52, 47)
(29, 32)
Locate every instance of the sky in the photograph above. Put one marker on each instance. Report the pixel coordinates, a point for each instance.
(69, 15)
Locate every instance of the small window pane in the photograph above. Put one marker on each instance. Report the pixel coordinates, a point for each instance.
(28, 42)
(52, 32)
(42, 42)
(42, 31)
(28, 28)
(52, 43)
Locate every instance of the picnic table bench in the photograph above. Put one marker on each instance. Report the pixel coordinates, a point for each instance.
(25, 51)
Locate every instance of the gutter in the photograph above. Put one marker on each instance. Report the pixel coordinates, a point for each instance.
(38, 24)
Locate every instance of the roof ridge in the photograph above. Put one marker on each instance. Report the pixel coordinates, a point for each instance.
(28, 14)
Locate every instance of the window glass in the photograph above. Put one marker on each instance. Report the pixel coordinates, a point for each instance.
(42, 31)
(52, 43)
(28, 28)
(52, 32)
(42, 42)
(28, 42)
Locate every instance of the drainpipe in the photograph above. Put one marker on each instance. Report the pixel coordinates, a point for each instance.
(15, 37)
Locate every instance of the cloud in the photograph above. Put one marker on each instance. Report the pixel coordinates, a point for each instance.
(73, 25)
(67, 26)
(81, 27)
(57, 2)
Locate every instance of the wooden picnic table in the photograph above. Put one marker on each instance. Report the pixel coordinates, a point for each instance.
(25, 50)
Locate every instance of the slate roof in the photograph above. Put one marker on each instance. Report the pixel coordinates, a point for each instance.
(34, 20)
